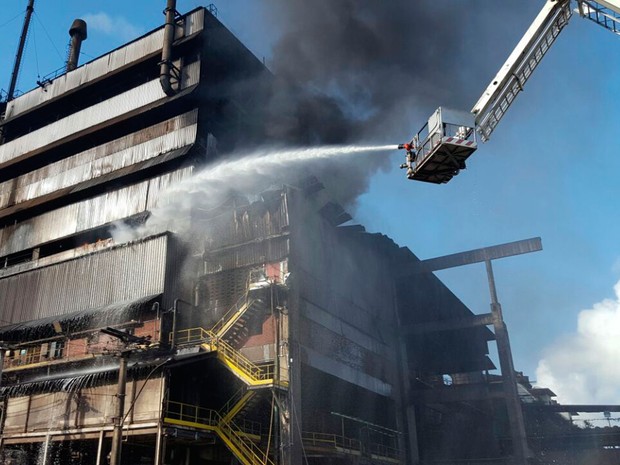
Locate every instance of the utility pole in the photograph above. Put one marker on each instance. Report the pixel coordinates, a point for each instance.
(117, 438)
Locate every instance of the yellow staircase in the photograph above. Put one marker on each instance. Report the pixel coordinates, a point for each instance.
(233, 436)
(231, 327)
(217, 339)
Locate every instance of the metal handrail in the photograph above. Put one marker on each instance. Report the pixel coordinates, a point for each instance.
(331, 440)
(189, 335)
(240, 360)
(249, 368)
(236, 397)
(191, 413)
(248, 447)
(236, 308)
(208, 417)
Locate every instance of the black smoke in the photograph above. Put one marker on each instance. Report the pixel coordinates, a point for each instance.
(371, 71)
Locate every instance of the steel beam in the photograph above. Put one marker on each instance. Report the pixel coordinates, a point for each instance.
(448, 325)
(475, 256)
(574, 408)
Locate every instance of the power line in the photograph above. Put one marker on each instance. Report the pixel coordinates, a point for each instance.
(48, 35)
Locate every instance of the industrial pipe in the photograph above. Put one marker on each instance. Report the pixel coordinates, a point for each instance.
(175, 309)
(78, 34)
(165, 68)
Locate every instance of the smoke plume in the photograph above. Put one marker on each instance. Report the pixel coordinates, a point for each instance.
(371, 71)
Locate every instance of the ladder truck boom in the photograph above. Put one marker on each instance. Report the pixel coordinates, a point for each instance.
(439, 150)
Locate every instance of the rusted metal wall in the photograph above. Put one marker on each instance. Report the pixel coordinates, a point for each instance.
(87, 407)
(107, 110)
(118, 274)
(113, 61)
(147, 144)
(87, 214)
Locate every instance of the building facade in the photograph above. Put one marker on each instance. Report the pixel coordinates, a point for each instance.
(265, 330)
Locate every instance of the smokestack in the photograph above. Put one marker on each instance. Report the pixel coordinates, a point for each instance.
(78, 34)
(166, 66)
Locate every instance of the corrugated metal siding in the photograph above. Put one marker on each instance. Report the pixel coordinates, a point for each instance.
(121, 273)
(159, 186)
(101, 160)
(118, 105)
(272, 250)
(102, 66)
(88, 214)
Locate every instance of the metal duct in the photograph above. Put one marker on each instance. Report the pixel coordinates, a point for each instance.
(78, 34)
(166, 66)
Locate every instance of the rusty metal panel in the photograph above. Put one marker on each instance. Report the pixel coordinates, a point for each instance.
(120, 273)
(52, 411)
(147, 400)
(16, 415)
(88, 214)
(118, 154)
(118, 105)
(97, 405)
(99, 67)
(74, 218)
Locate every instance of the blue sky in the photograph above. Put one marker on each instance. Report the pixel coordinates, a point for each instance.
(550, 170)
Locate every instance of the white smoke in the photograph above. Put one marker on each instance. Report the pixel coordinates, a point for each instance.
(214, 184)
(112, 25)
(582, 368)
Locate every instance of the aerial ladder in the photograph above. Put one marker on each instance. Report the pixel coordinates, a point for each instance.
(439, 150)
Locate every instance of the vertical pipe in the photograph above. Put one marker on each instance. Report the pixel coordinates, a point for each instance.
(20, 50)
(158, 445)
(166, 51)
(115, 455)
(99, 447)
(78, 34)
(46, 450)
(513, 403)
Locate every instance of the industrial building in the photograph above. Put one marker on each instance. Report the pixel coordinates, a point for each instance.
(267, 330)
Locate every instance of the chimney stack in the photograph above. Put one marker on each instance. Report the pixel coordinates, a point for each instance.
(78, 34)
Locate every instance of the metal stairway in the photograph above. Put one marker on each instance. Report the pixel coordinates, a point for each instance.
(243, 368)
(235, 439)
(233, 326)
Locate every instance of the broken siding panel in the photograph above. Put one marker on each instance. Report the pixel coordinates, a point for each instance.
(271, 250)
(88, 214)
(118, 274)
(106, 64)
(101, 160)
(107, 110)
(74, 218)
(159, 188)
